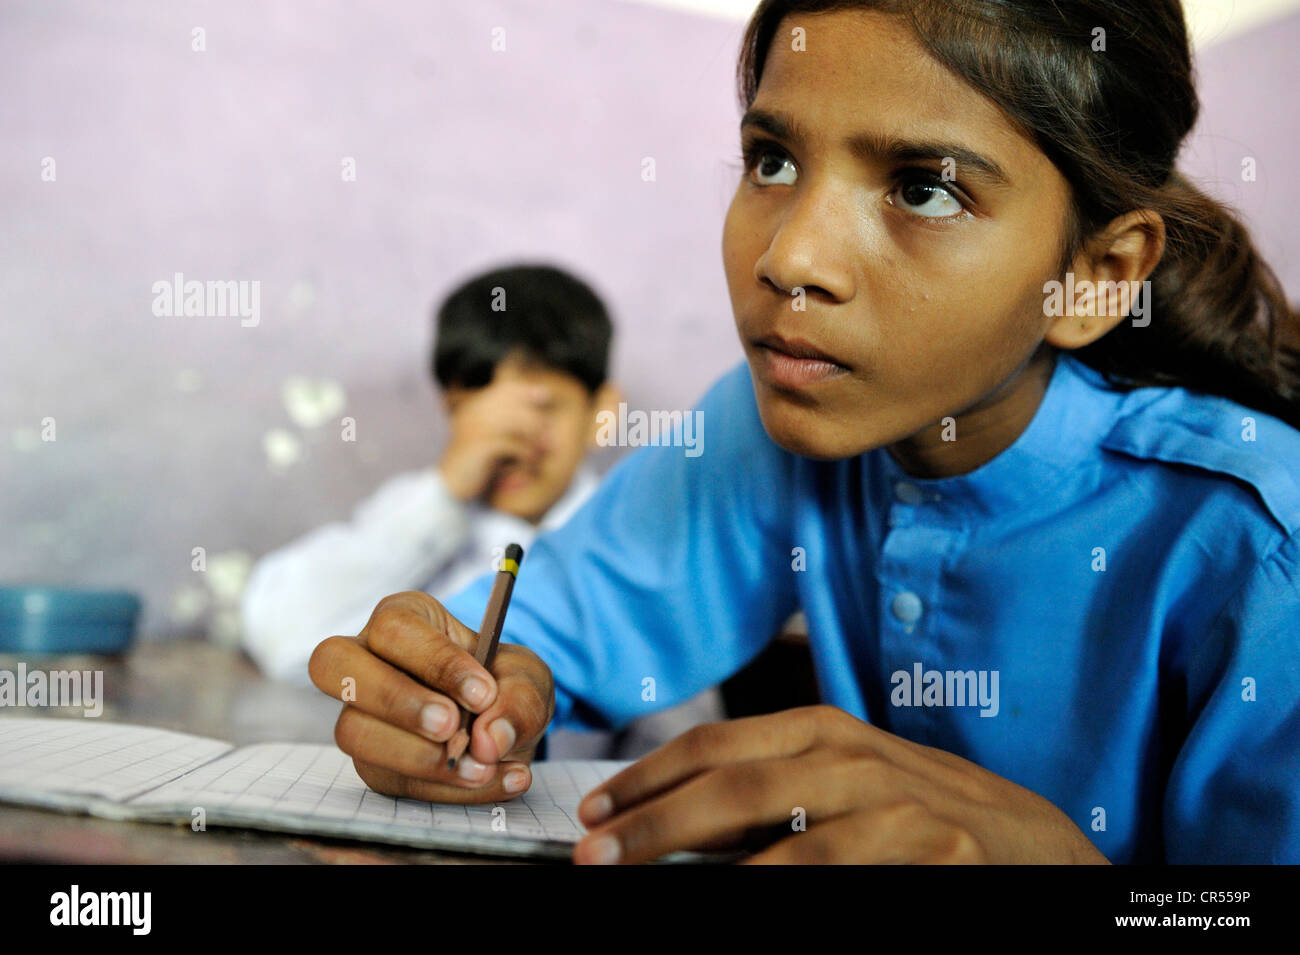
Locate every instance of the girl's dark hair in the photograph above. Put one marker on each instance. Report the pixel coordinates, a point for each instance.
(539, 312)
(1113, 122)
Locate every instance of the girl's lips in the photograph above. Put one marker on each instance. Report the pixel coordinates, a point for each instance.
(784, 370)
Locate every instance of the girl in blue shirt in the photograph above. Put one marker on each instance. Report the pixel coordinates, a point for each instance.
(1044, 530)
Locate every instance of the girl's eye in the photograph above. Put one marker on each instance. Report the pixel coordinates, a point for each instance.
(920, 192)
(925, 194)
(763, 159)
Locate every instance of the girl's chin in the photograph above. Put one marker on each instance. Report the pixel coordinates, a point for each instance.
(799, 431)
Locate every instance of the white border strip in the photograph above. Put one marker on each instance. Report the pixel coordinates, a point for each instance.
(1212, 21)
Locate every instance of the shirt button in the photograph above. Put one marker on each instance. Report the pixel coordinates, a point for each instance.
(908, 493)
(907, 607)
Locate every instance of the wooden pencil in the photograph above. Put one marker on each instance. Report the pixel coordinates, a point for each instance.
(489, 635)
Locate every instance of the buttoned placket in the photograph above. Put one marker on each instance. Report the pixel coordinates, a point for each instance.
(920, 535)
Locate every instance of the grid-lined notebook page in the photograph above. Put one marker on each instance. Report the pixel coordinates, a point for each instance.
(60, 761)
(313, 788)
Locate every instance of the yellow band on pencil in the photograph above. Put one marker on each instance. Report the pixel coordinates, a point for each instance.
(511, 565)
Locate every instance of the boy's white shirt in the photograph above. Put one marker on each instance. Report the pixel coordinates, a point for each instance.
(410, 534)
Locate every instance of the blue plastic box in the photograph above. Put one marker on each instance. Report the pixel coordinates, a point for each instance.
(64, 620)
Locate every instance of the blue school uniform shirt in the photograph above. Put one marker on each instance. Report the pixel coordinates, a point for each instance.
(1115, 596)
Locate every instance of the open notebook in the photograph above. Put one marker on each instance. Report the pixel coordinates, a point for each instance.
(120, 771)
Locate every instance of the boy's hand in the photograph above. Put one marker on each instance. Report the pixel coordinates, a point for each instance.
(492, 427)
(866, 796)
(400, 680)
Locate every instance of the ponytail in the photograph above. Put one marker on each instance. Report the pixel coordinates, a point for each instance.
(1220, 321)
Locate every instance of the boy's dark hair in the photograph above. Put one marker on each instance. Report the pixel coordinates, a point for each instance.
(542, 313)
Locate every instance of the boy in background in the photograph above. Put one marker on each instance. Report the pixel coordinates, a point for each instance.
(521, 356)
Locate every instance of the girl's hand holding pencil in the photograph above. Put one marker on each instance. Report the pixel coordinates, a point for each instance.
(403, 681)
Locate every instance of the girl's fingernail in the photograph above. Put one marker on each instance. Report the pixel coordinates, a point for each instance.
(470, 769)
(603, 850)
(436, 718)
(503, 734)
(516, 781)
(474, 690)
(598, 808)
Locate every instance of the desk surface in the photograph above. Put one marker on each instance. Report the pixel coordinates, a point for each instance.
(193, 687)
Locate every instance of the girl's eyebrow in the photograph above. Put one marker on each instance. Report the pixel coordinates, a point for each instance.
(881, 147)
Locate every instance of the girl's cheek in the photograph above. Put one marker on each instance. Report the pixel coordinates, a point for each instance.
(742, 241)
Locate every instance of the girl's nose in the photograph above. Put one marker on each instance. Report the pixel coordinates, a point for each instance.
(809, 251)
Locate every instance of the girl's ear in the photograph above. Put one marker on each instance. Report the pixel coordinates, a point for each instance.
(1106, 278)
(604, 403)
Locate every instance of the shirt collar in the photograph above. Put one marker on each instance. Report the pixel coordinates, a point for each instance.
(1074, 415)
